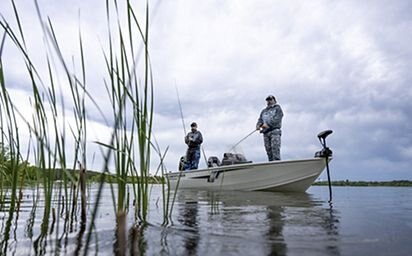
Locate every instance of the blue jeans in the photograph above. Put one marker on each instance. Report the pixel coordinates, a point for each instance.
(192, 158)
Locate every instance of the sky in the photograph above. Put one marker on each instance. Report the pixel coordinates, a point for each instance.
(339, 65)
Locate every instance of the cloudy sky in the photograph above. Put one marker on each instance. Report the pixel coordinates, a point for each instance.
(339, 65)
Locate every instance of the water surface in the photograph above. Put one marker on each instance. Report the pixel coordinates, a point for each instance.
(361, 221)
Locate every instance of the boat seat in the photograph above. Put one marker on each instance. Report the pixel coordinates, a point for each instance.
(229, 159)
(213, 161)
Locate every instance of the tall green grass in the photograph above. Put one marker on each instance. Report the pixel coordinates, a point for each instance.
(130, 89)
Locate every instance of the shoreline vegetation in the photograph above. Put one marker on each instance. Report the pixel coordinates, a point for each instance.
(348, 183)
(32, 175)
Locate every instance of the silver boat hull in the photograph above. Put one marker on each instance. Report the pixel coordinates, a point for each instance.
(284, 175)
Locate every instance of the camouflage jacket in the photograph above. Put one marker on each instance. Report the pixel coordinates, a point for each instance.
(272, 116)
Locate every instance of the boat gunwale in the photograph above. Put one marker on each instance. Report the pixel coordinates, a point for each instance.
(246, 165)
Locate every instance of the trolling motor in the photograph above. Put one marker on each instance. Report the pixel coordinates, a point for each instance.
(325, 153)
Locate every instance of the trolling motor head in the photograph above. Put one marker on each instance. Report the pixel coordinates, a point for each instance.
(325, 152)
(324, 134)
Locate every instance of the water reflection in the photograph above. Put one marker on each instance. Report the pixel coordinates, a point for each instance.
(275, 231)
(204, 223)
(188, 214)
(138, 243)
(5, 230)
(332, 231)
(262, 223)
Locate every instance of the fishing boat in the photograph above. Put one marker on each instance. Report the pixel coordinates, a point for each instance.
(234, 172)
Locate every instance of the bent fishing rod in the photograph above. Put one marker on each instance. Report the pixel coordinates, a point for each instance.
(247, 136)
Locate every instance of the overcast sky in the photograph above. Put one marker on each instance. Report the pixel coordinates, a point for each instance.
(339, 65)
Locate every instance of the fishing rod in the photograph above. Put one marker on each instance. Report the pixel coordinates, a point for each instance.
(182, 160)
(180, 108)
(254, 130)
(183, 120)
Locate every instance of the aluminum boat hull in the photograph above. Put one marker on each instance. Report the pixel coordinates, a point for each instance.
(284, 175)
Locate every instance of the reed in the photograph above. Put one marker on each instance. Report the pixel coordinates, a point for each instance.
(129, 87)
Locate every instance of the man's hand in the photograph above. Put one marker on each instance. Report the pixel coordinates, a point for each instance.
(264, 126)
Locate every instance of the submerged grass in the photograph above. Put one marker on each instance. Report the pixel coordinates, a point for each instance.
(130, 89)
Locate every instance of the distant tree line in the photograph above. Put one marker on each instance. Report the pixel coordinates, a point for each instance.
(30, 174)
(394, 183)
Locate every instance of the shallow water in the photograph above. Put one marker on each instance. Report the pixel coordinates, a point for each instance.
(361, 221)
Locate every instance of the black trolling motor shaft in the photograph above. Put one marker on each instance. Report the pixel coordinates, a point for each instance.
(326, 153)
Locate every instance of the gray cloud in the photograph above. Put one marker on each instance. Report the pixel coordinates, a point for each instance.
(343, 66)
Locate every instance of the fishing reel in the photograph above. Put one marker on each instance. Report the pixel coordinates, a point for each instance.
(325, 152)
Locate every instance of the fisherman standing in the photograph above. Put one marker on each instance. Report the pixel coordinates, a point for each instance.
(193, 140)
(270, 124)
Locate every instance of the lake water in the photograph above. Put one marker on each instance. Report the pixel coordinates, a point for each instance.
(361, 221)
